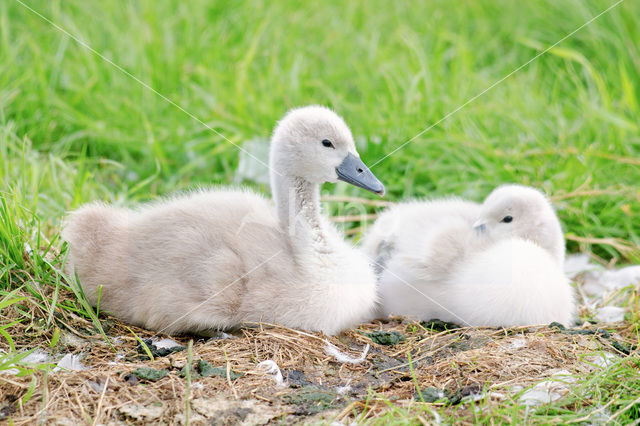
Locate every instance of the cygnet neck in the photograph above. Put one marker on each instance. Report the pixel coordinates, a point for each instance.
(299, 213)
(295, 198)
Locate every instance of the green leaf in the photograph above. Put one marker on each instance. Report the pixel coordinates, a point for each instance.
(32, 388)
(206, 370)
(150, 374)
(8, 337)
(387, 338)
(54, 339)
(142, 344)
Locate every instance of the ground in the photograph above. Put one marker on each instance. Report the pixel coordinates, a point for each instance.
(462, 373)
(127, 102)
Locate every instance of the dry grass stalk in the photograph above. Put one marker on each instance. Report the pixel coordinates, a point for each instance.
(355, 200)
(624, 247)
(354, 218)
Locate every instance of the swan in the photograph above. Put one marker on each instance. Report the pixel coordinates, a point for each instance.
(214, 259)
(421, 247)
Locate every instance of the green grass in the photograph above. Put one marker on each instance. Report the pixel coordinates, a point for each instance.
(73, 128)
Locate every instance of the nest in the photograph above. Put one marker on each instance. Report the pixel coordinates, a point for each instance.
(315, 385)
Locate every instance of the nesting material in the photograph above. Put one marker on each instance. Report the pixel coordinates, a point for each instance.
(595, 279)
(145, 413)
(343, 390)
(36, 357)
(603, 292)
(237, 412)
(465, 361)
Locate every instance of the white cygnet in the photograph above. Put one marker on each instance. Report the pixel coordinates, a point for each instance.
(214, 259)
(512, 282)
(420, 248)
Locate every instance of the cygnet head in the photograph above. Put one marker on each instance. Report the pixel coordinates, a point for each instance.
(315, 144)
(521, 211)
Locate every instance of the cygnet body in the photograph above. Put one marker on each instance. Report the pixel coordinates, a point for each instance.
(419, 233)
(512, 282)
(423, 247)
(218, 258)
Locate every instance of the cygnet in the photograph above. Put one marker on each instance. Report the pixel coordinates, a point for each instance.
(215, 259)
(419, 247)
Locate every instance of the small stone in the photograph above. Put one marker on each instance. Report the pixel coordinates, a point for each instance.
(222, 411)
(166, 344)
(177, 363)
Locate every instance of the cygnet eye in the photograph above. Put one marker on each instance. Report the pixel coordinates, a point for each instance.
(327, 143)
(507, 219)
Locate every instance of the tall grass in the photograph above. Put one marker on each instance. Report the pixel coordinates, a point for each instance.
(568, 120)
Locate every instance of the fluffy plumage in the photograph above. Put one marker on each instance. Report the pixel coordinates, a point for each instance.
(428, 253)
(432, 233)
(512, 282)
(218, 258)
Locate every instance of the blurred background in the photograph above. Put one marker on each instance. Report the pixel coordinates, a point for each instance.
(74, 127)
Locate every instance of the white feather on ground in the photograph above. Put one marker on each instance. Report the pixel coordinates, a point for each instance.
(602, 290)
(344, 358)
(271, 368)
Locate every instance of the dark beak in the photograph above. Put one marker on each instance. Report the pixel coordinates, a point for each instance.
(353, 171)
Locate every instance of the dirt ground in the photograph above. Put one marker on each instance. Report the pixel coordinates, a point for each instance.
(227, 386)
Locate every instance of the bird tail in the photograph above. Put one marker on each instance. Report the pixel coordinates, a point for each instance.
(91, 231)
